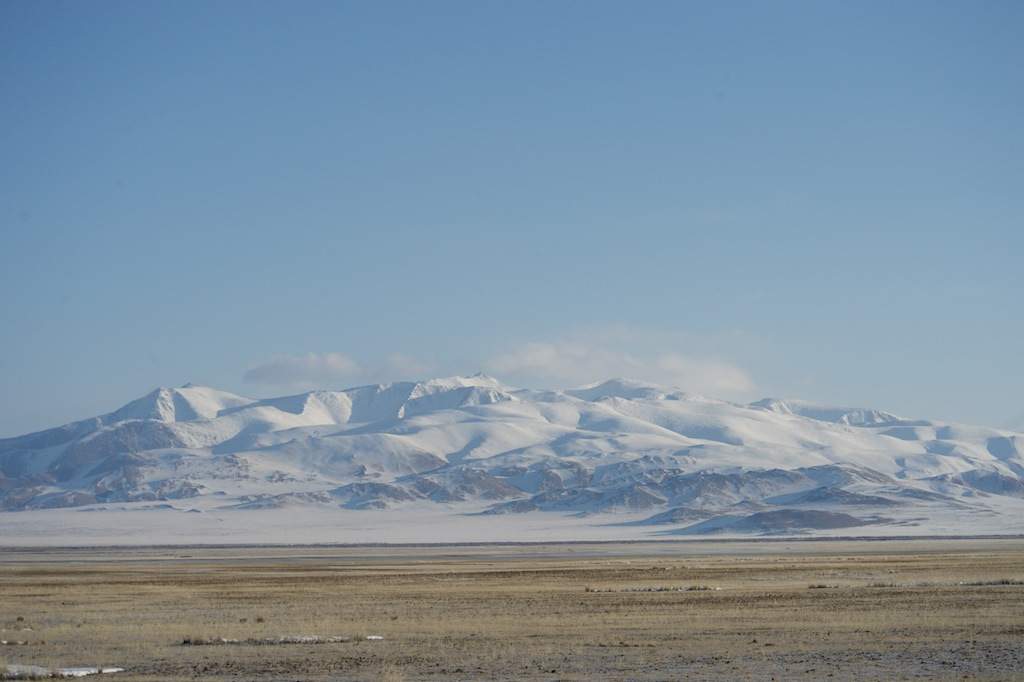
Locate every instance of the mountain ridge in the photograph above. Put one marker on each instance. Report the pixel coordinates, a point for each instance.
(473, 445)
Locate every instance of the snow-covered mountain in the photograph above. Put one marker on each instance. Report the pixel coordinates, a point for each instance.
(655, 459)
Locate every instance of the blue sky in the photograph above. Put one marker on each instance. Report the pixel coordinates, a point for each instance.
(815, 200)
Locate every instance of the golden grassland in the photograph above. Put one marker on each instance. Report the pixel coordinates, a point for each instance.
(757, 611)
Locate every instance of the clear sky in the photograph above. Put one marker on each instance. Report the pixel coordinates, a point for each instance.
(818, 200)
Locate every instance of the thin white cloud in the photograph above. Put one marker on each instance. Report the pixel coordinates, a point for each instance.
(680, 359)
(333, 370)
(401, 367)
(705, 375)
(666, 358)
(309, 370)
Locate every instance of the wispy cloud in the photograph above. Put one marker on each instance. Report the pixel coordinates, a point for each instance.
(401, 367)
(311, 369)
(328, 370)
(685, 360)
(667, 358)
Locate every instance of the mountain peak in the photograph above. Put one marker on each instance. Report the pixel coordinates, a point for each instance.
(853, 416)
(187, 403)
(621, 388)
(478, 380)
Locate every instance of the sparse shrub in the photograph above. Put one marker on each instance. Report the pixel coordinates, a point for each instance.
(1001, 581)
(389, 672)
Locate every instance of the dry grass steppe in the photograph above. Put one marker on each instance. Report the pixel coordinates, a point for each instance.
(938, 609)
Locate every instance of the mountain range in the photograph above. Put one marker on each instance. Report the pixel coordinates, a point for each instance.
(644, 459)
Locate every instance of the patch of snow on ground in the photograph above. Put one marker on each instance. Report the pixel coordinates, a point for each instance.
(28, 672)
(82, 672)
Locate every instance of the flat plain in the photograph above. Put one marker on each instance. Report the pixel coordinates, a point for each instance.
(840, 610)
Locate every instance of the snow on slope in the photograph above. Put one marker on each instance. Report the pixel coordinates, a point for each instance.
(838, 415)
(187, 403)
(469, 445)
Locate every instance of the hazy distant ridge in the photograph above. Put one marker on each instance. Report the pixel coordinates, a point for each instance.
(473, 445)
